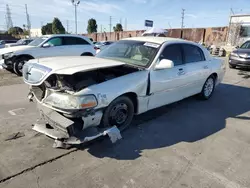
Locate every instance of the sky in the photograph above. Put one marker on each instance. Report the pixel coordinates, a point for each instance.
(165, 13)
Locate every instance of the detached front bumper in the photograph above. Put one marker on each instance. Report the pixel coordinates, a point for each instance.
(72, 131)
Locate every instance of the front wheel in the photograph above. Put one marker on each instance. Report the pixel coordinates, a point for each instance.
(119, 113)
(232, 66)
(18, 65)
(208, 88)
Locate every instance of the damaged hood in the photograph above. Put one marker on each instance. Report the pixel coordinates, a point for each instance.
(38, 70)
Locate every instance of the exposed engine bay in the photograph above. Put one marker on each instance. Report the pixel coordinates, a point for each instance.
(80, 80)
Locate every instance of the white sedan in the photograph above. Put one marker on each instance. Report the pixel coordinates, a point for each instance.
(82, 98)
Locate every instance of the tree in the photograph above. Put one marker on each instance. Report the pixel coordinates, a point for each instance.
(47, 29)
(57, 27)
(92, 26)
(15, 30)
(118, 27)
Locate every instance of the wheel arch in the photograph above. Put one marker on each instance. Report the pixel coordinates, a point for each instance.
(133, 97)
(87, 54)
(24, 55)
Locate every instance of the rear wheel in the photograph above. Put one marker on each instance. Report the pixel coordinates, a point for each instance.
(208, 88)
(119, 113)
(18, 65)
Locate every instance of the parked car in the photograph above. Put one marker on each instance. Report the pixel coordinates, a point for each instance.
(19, 43)
(46, 46)
(4, 42)
(103, 43)
(241, 56)
(103, 93)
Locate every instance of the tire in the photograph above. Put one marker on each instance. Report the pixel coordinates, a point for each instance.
(122, 105)
(18, 65)
(208, 88)
(232, 66)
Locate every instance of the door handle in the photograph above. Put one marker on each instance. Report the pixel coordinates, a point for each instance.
(205, 67)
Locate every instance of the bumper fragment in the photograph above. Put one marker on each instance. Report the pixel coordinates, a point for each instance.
(66, 131)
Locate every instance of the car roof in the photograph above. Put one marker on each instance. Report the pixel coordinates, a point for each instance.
(158, 40)
(64, 35)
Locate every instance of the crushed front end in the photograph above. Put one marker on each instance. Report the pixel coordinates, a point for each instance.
(67, 118)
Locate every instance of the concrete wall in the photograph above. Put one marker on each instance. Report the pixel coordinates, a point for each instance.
(216, 35)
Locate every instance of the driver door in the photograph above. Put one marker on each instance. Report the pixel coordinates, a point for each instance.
(167, 85)
(55, 49)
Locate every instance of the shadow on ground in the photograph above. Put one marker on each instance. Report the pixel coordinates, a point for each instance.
(244, 72)
(189, 120)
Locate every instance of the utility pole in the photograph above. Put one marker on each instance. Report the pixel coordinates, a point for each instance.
(182, 18)
(182, 21)
(110, 26)
(75, 3)
(101, 28)
(125, 25)
(67, 23)
(9, 23)
(28, 19)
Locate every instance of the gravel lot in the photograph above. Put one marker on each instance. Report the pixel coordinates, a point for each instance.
(191, 143)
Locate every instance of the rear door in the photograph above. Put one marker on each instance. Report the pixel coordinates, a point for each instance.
(168, 85)
(197, 68)
(75, 46)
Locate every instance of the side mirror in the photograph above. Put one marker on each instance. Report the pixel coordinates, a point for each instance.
(46, 45)
(164, 64)
(237, 47)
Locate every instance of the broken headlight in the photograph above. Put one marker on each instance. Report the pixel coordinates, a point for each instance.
(8, 55)
(70, 102)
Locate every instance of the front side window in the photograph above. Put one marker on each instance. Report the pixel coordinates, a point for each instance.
(192, 53)
(133, 52)
(173, 52)
(55, 41)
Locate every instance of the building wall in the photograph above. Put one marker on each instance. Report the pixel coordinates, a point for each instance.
(36, 32)
(215, 35)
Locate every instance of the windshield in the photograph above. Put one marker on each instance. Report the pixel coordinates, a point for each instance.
(131, 52)
(246, 45)
(37, 41)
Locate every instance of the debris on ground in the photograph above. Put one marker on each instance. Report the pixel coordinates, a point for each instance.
(15, 136)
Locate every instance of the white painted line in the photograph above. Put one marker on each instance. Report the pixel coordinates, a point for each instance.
(12, 112)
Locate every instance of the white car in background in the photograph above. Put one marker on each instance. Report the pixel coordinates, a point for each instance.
(46, 46)
(81, 99)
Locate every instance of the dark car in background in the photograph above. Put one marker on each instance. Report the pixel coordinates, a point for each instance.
(241, 56)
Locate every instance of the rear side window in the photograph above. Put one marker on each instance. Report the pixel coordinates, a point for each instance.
(192, 53)
(173, 53)
(74, 41)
